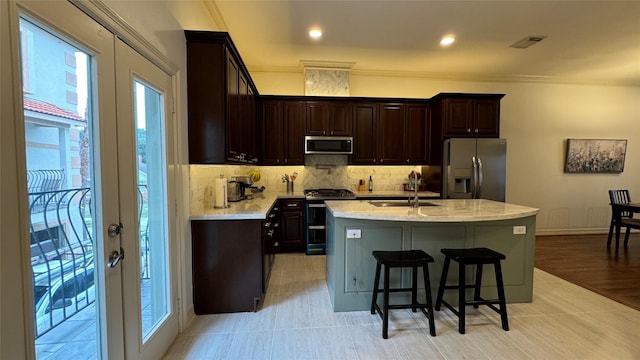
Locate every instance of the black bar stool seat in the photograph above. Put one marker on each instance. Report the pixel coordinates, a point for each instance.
(401, 259)
(478, 257)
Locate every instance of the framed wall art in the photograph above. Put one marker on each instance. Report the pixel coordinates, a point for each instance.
(595, 156)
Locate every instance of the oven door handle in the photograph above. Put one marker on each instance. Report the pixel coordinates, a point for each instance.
(317, 205)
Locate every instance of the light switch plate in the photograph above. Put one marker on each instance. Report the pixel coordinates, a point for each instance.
(354, 233)
(519, 230)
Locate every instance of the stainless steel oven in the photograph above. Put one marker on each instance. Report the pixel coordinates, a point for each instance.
(316, 237)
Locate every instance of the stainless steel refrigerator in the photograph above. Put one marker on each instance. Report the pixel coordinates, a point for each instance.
(474, 169)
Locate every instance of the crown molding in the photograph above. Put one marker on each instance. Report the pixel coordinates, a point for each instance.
(468, 77)
(216, 15)
(326, 65)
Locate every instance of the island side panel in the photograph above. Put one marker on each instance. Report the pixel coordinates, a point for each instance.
(517, 268)
(331, 257)
(431, 239)
(351, 268)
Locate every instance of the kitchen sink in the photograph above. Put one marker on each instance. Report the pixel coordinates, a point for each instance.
(395, 203)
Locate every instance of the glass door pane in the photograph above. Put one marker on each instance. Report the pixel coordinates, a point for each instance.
(144, 94)
(152, 205)
(59, 132)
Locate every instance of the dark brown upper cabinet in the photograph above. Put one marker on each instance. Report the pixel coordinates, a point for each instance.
(390, 134)
(417, 135)
(221, 101)
(365, 133)
(328, 118)
(469, 115)
(282, 126)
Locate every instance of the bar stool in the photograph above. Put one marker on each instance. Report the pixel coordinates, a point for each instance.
(401, 259)
(478, 257)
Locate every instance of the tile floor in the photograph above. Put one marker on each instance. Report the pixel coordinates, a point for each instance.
(564, 321)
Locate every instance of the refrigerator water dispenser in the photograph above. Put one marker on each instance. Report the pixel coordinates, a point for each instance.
(462, 181)
(462, 186)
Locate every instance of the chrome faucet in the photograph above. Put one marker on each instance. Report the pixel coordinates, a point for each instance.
(416, 200)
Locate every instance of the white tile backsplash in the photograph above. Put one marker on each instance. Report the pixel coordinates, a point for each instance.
(320, 171)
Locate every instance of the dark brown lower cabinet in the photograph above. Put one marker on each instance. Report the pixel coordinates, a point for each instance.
(292, 225)
(227, 265)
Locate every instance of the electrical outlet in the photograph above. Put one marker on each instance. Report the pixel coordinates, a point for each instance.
(354, 233)
(519, 230)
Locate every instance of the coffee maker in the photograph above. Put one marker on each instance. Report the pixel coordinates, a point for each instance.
(237, 187)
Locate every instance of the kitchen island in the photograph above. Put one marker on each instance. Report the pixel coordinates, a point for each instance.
(356, 228)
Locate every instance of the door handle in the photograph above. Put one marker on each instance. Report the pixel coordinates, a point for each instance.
(114, 230)
(480, 179)
(474, 180)
(115, 257)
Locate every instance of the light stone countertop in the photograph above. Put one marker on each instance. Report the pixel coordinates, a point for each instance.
(261, 204)
(256, 208)
(450, 210)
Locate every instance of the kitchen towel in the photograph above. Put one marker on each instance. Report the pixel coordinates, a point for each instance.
(220, 193)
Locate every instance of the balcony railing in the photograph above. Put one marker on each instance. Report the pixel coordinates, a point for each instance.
(62, 253)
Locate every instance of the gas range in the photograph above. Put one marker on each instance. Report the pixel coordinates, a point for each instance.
(316, 238)
(329, 194)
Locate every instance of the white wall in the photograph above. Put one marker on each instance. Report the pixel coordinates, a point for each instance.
(536, 118)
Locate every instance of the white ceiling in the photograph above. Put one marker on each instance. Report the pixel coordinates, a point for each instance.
(595, 42)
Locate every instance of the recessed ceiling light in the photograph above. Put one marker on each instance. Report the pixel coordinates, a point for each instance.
(447, 40)
(315, 33)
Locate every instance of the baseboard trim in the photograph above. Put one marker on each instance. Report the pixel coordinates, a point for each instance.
(588, 231)
(188, 318)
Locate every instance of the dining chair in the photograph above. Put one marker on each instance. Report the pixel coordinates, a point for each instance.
(620, 197)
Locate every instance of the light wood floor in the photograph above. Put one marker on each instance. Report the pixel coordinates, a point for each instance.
(585, 260)
(564, 321)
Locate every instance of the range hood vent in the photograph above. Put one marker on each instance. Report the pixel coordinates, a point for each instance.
(527, 41)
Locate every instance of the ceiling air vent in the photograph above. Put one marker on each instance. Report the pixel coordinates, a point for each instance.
(527, 41)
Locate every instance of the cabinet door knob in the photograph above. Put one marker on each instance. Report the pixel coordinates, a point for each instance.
(468, 131)
(407, 161)
(476, 131)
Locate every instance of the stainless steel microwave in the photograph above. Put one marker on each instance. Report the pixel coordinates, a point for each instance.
(338, 145)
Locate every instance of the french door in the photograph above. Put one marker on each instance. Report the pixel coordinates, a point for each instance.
(144, 103)
(98, 131)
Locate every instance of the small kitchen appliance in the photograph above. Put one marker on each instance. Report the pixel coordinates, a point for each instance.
(234, 191)
(237, 187)
(337, 145)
